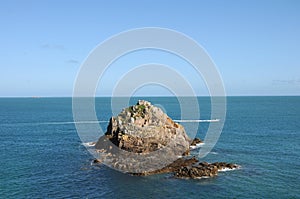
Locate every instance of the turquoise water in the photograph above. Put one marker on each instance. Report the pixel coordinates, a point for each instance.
(43, 157)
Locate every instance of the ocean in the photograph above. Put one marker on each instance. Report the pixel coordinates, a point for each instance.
(42, 155)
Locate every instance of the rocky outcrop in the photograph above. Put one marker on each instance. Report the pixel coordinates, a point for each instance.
(144, 128)
(203, 169)
(191, 168)
(143, 140)
(173, 167)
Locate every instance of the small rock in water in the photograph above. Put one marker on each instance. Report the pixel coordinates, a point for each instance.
(203, 169)
(196, 141)
(96, 161)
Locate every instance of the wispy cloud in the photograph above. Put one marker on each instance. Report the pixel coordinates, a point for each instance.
(72, 61)
(286, 82)
(53, 46)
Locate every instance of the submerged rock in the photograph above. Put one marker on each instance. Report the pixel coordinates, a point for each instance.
(191, 168)
(203, 170)
(173, 167)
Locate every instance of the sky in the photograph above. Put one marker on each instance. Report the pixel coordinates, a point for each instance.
(255, 45)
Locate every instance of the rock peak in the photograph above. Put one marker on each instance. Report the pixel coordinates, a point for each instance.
(143, 128)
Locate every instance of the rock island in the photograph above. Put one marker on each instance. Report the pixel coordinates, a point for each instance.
(143, 140)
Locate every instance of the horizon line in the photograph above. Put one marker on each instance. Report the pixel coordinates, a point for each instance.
(149, 96)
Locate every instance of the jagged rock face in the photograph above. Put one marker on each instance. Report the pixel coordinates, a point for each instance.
(144, 128)
(141, 139)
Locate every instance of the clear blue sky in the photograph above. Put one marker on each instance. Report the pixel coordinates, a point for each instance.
(255, 44)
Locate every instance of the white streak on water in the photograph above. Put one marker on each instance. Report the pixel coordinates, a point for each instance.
(213, 120)
(78, 122)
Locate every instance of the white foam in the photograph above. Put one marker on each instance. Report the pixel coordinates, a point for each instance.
(197, 146)
(228, 169)
(89, 144)
(203, 177)
(225, 169)
(214, 153)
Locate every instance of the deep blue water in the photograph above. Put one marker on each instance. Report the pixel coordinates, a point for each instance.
(43, 157)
